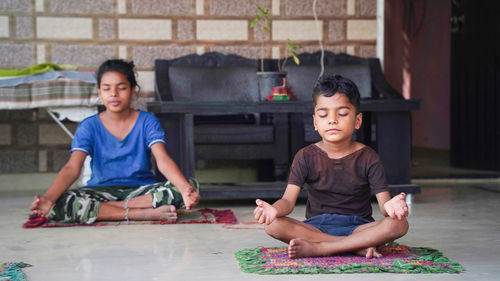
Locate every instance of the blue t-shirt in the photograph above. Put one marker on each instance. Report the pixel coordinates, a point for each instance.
(117, 162)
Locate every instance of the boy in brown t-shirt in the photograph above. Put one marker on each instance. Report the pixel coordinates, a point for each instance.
(341, 175)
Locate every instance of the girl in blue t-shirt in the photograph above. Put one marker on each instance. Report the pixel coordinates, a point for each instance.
(119, 141)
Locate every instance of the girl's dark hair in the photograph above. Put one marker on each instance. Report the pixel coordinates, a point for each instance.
(329, 85)
(117, 65)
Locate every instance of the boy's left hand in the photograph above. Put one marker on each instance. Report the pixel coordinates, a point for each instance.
(190, 197)
(396, 207)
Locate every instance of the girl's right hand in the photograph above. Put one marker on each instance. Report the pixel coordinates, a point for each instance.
(191, 198)
(264, 212)
(41, 206)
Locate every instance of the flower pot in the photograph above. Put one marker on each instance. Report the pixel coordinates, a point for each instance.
(268, 80)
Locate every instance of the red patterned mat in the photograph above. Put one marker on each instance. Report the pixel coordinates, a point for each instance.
(184, 216)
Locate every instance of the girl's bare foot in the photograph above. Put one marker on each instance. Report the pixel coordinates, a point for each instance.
(299, 248)
(370, 252)
(165, 213)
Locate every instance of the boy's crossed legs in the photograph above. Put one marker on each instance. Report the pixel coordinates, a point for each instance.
(307, 241)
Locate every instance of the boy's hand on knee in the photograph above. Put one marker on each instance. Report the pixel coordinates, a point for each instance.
(396, 207)
(264, 212)
(41, 206)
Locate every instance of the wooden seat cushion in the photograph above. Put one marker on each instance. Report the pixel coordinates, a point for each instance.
(199, 83)
(302, 78)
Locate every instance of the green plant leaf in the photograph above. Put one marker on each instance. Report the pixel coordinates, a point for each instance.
(254, 22)
(263, 11)
(296, 59)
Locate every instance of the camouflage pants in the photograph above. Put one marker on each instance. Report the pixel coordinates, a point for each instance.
(82, 205)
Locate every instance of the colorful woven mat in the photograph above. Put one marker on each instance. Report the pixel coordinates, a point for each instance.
(184, 216)
(396, 259)
(12, 271)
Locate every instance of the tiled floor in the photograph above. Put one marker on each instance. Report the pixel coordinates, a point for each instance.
(458, 217)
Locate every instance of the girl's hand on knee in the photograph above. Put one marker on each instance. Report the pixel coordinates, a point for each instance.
(396, 207)
(41, 205)
(264, 212)
(191, 198)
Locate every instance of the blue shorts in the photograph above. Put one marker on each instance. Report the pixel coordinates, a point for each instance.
(336, 225)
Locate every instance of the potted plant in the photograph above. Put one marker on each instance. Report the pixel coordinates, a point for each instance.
(269, 79)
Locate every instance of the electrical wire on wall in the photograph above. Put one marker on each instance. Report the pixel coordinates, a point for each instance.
(318, 30)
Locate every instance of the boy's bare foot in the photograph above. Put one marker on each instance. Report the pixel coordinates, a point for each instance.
(163, 213)
(370, 252)
(299, 248)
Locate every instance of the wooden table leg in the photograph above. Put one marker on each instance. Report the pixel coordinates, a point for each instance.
(179, 135)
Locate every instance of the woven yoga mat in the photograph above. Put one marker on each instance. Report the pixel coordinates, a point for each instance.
(184, 216)
(396, 259)
(12, 271)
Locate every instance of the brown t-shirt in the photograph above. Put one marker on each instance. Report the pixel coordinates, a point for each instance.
(338, 186)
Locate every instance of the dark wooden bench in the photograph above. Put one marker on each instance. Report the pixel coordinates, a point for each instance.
(214, 77)
(386, 124)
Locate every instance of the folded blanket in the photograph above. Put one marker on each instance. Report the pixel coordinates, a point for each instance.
(35, 69)
(49, 94)
(52, 75)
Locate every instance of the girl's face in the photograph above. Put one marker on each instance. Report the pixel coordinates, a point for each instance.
(115, 92)
(335, 118)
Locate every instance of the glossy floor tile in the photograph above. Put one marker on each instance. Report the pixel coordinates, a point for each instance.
(458, 217)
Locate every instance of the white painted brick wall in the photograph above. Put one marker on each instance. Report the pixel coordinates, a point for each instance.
(236, 30)
(146, 79)
(296, 30)
(64, 28)
(145, 29)
(122, 6)
(350, 50)
(122, 52)
(351, 7)
(4, 26)
(41, 53)
(39, 6)
(200, 7)
(276, 7)
(362, 30)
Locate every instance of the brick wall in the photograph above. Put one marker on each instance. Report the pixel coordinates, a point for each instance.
(86, 32)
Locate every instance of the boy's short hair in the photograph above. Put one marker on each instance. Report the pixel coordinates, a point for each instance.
(329, 85)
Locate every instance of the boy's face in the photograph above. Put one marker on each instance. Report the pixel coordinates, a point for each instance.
(335, 118)
(115, 91)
